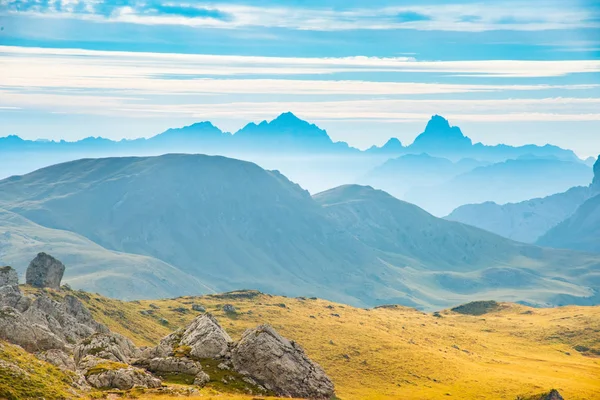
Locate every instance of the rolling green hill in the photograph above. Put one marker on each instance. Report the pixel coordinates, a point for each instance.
(233, 225)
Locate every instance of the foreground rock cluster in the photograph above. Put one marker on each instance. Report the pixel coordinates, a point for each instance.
(60, 330)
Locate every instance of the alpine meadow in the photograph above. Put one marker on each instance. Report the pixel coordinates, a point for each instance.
(321, 200)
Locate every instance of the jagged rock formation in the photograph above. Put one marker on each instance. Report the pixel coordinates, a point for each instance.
(109, 346)
(45, 271)
(203, 338)
(280, 365)
(8, 277)
(61, 331)
(553, 395)
(101, 373)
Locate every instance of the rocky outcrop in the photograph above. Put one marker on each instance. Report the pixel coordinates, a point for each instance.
(280, 365)
(8, 277)
(108, 346)
(180, 365)
(206, 338)
(45, 271)
(102, 374)
(58, 358)
(38, 323)
(553, 395)
(202, 338)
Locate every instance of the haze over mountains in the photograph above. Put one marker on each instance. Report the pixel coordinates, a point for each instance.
(232, 225)
(440, 171)
(530, 221)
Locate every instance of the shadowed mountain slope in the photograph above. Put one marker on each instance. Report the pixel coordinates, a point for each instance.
(526, 221)
(90, 266)
(234, 225)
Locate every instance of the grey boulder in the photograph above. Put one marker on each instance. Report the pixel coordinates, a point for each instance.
(108, 346)
(45, 271)
(8, 277)
(101, 373)
(280, 365)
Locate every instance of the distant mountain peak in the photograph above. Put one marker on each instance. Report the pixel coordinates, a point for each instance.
(287, 125)
(440, 134)
(288, 117)
(393, 144)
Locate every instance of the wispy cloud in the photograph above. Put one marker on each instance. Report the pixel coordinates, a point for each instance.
(154, 85)
(519, 15)
(44, 65)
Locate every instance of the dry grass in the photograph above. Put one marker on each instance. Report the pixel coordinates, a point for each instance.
(398, 352)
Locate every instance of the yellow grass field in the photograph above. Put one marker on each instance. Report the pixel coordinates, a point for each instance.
(398, 352)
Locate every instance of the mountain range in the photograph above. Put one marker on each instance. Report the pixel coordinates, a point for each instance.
(537, 219)
(230, 224)
(439, 160)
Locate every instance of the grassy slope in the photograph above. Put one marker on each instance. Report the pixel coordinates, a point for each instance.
(23, 376)
(400, 352)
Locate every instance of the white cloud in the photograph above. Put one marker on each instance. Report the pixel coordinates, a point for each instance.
(153, 85)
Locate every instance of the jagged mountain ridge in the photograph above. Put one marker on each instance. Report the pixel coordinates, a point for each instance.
(438, 139)
(232, 224)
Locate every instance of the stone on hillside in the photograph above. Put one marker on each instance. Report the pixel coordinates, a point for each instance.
(553, 395)
(58, 358)
(45, 271)
(20, 330)
(180, 365)
(11, 296)
(103, 374)
(280, 365)
(68, 319)
(229, 309)
(8, 277)
(198, 308)
(201, 379)
(108, 346)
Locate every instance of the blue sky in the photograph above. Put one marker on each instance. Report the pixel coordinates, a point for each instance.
(506, 71)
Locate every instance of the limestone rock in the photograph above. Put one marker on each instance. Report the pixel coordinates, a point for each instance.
(45, 271)
(108, 346)
(280, 365)
(180, 365)
(66, 319)
(201, 379)
(554, 395)
(8, 277)
(107, 374)
(202, 338)
(206, 338)
(58, 358)
(18, 329)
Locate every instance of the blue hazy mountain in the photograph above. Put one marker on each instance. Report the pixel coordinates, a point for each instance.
(285, 134)
(510, 181)
(232, 224)
(443, 140)
(398, 175)
(391, 147)
(525, 221)
(581, 231)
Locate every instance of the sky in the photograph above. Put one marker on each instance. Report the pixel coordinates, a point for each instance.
(507, 71)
